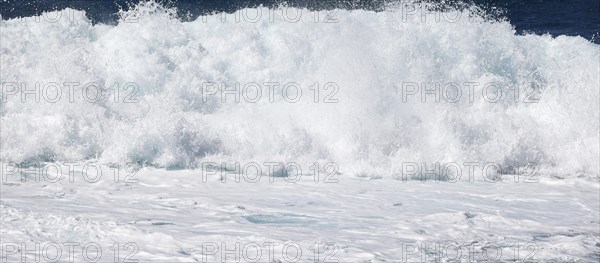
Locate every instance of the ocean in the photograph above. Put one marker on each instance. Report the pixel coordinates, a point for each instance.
(555, 17)
(305, 131)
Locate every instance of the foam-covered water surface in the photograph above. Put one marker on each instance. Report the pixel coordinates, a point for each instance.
(364, 220)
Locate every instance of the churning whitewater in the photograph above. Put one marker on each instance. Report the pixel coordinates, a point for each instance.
(293, 85)
(362, 92)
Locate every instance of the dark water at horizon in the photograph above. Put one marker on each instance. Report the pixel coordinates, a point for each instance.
(556, 17)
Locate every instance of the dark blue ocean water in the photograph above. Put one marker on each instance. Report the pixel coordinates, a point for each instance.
(557, 17)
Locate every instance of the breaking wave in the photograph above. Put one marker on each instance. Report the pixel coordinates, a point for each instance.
(388, 85)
